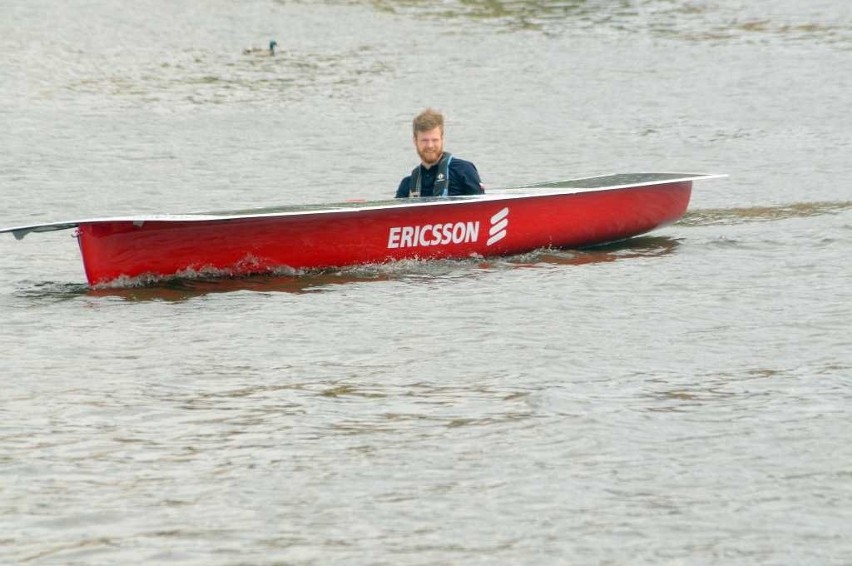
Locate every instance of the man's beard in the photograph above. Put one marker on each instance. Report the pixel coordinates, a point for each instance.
(431, 156)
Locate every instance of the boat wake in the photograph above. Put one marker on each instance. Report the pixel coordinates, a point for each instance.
(195, 283)
(50, 291)
(730, 216)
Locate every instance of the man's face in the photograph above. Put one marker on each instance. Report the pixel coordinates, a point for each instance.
(430, 145)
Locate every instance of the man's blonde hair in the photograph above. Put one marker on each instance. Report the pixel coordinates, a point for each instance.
(427, 120)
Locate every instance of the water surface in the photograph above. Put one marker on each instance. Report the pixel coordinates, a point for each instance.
(679, 398)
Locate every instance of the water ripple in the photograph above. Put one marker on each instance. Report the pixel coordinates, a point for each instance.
(730, 216)
(207, 77)
(690, 21)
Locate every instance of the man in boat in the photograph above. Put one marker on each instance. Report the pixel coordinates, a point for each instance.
(439, 173)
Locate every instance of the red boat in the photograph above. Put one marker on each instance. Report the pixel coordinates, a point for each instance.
(563, 214)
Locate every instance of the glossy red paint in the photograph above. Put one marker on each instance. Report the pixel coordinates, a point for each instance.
(506, 223)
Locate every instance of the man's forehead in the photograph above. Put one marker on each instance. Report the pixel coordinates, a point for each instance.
(433, 133)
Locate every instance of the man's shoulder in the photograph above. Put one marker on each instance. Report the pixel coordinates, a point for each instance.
(465, 177)
(463, 167)
(459, 162)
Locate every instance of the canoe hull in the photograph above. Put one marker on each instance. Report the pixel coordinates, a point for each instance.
(498, 225)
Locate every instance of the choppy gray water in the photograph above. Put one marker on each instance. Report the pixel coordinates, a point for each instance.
(683, 398)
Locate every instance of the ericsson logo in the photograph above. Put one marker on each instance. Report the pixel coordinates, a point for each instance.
(426, 235)
(433, 235)
(499, 222)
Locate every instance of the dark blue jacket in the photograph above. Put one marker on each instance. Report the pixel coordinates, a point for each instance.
(464, 180)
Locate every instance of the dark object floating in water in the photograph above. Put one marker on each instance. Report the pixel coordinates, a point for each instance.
(262, 51)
